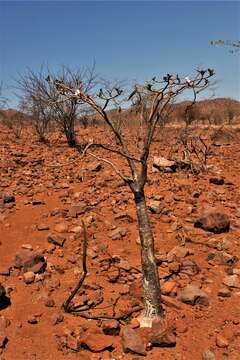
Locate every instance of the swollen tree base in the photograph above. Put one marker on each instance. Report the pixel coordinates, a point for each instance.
(146, 321)
(149, 314)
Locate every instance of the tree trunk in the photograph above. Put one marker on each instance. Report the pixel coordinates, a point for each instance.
(151, 286)
(69, 130)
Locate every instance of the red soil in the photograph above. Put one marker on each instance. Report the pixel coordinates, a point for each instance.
(109, 205)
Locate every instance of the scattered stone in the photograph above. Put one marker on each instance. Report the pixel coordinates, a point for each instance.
(49, 302)
(78, 209)
(2, 294)
(42, 227)
(208, 355)
(178, 252)
(155, 206)
(118, 233)
(37, 202)
(192, 295)
(7, 199)
(111, 327)
(94, 340)
(4, 322)
(5, 271)
(56, 239)
(27, 247)
(216, 180)
(113, 275)
(168, 287)
(163, 165)
(224, 292)
(232, 281)
(219, 244)
(3, 339)
(61, 228)
(77, 229)
(30, 261)
(213, 221)
(96, 167)
(162, 334)
(32, 319)
(221, 341)
(171, 302)
(28, 277)
(134, 323)
(132, 342)
(57, 318)
(189, 267)
(221, 258)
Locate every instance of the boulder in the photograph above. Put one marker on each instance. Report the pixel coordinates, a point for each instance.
(213, 221)
(192, 295)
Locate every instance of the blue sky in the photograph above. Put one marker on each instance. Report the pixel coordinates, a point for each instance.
(129, 40)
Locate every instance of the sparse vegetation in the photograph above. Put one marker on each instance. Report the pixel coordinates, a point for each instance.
(44, 103)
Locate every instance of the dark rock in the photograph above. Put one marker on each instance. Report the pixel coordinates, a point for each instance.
(213, 221)
(3, 339)
(32, 319)
(96, 167)
(37, 202)
(4, 299)
(216, 181)
(8, 199)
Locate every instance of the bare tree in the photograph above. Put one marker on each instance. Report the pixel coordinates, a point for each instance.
(135, 176)
(15, 122)
(45, 103)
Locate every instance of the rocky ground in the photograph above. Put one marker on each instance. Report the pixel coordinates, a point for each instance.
(46, 192)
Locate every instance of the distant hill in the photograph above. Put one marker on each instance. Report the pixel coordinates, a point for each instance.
(215, 111)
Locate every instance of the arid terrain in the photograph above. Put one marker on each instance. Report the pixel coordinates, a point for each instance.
(46, 192)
